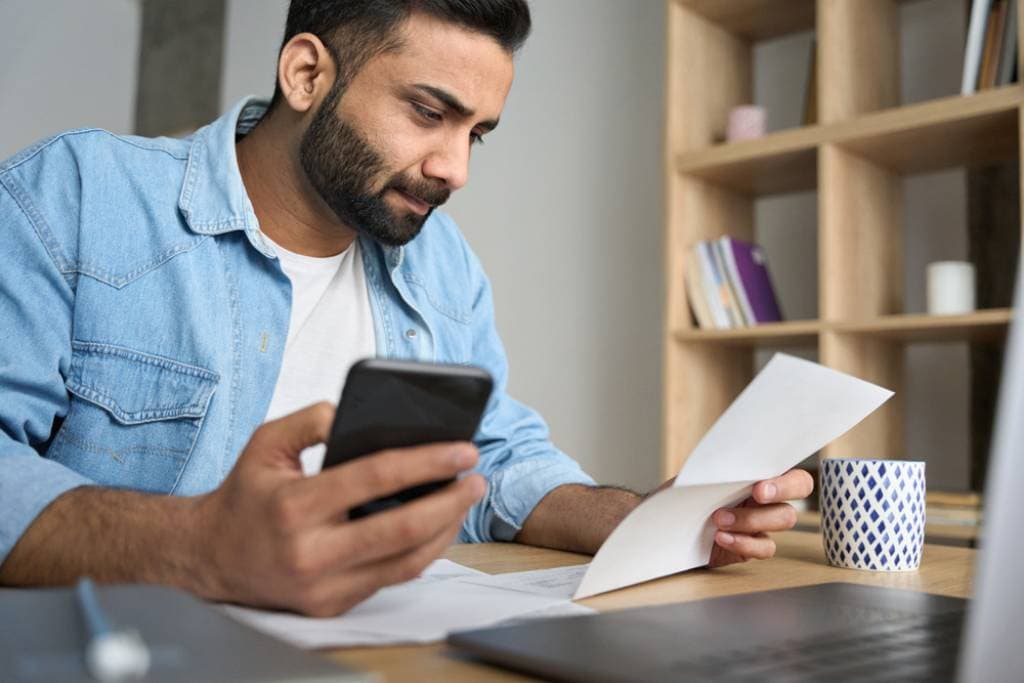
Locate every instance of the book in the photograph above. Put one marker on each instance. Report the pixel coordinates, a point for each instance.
(993, 45)
(952, 516)
(711, 283)
(975, 45)
(729, 258)
(695, 292)
(811, 93)
(752, 269)
(953, 498)
(728, 287)
(1008, 55)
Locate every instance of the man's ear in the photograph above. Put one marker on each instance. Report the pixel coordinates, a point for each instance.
(305, 71)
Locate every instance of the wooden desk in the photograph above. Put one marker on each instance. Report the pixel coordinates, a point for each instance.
(800, 561)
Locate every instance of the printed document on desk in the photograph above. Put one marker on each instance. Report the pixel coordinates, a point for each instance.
(447, 597)
(792, 409)
(558, 582)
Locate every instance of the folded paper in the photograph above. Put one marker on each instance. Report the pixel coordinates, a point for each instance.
(791, 409)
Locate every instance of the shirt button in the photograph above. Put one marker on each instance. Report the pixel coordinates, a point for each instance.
(410, 333)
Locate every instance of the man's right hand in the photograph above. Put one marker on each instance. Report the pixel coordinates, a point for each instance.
(270, 536)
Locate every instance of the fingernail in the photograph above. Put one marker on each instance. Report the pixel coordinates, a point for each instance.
(769, 491)
(726, 518)
(725, 539)
(464, 458)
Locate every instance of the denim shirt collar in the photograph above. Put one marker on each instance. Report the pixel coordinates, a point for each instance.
(213, 199)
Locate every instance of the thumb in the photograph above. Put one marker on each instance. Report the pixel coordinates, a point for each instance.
(288, 436)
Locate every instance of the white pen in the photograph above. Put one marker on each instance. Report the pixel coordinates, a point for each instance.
(111, 655)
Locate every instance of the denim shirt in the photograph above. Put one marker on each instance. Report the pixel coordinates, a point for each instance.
(143, 319)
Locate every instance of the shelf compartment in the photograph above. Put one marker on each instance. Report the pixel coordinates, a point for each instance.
(778, 163)
(985, 325)
(953, 131)
(793, 333)
(756, 19)
(945, 133)
(759, 19)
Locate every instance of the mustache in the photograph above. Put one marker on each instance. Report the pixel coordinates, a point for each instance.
(425, 191)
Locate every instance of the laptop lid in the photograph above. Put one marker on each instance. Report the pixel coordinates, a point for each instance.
(992, 641)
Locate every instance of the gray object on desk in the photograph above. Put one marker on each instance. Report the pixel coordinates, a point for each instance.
(828, 632)
(42, 638)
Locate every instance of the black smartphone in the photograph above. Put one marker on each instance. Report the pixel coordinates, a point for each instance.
(396, 404)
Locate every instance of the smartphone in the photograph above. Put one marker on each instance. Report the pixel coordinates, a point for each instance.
(396, 404)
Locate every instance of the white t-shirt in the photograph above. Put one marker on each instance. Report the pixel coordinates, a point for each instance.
(331, 327)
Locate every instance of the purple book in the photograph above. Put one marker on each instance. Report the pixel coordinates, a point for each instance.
(752, 269)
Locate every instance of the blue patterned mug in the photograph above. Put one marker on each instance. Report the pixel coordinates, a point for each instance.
(872, 513)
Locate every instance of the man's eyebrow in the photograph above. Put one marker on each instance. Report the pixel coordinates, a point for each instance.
(452, 102)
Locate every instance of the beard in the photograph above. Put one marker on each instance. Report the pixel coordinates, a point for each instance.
(343, 168)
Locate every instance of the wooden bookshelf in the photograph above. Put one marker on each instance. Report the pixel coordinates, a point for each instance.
(960, 534)
(855, 159)
(791, 333)
(980, 326)
(756, 19)
(989, 325)
(953, 131)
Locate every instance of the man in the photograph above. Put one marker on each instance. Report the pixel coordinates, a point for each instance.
(163, 298)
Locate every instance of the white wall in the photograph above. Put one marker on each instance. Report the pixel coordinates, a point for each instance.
(66, 64)
(564, 209)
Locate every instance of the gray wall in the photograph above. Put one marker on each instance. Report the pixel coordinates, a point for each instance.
(254, 29)
(66, 64)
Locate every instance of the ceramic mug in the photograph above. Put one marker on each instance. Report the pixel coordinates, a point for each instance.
(873, 513)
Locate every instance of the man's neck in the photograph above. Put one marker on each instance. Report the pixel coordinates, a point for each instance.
(287, 207)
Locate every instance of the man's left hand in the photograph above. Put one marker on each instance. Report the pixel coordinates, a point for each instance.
(743, 531)
(579, 518)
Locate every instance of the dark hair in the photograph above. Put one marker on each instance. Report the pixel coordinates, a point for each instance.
(354, 31)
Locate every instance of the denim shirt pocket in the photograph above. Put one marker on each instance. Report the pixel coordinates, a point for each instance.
(133, 417)
(450, 323)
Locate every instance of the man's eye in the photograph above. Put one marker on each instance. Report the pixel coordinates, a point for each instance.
(476, 139)
(428, 114)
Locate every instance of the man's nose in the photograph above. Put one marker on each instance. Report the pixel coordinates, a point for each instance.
(449, 164)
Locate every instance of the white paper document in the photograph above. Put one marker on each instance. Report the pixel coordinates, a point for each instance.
(788, 412)
(447, 597)
(559, 582)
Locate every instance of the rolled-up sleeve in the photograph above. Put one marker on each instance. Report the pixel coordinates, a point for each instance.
(36, 301)
(516, 454)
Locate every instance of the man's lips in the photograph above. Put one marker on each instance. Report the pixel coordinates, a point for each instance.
(415, 203)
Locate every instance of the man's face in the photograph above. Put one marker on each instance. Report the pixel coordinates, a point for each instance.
(396, 143)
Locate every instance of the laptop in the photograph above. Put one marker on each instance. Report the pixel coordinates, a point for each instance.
(834, 632)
